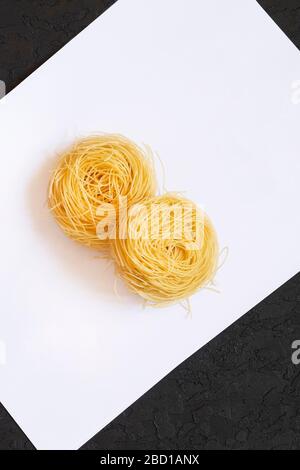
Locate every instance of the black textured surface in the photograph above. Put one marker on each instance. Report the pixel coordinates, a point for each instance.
(11, 436)
(31, 31)
(239, 391)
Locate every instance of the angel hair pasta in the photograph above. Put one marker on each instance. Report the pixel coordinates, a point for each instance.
(170, 250)
(98, 170)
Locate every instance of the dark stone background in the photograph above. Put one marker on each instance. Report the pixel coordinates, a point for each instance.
(241, 391)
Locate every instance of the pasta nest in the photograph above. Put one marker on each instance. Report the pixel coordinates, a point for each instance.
(98, 170)
(170, 252)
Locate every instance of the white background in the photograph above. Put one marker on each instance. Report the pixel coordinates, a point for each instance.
(208, 86)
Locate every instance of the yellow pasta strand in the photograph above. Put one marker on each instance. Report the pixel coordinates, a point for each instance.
(171, 250)
(96, 170)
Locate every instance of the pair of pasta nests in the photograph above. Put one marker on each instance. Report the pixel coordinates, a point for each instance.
(162, 263)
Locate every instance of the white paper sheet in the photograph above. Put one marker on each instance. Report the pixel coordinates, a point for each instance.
(211, 86)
